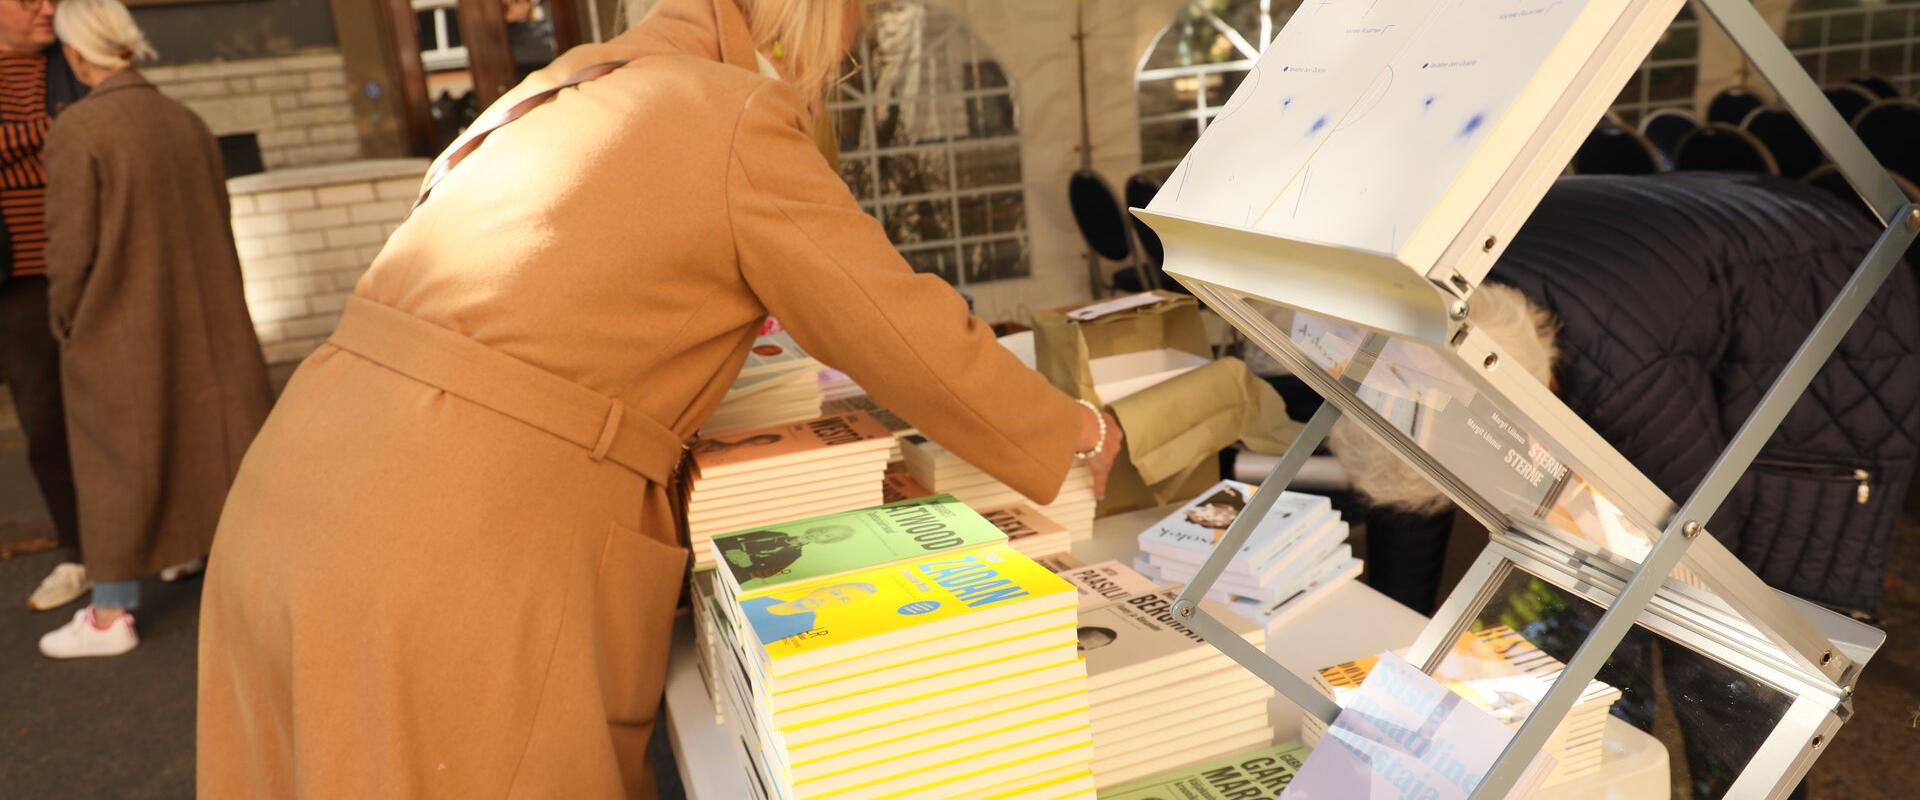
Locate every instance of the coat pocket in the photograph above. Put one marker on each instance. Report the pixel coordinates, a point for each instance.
(1858, 477)
(637, 588)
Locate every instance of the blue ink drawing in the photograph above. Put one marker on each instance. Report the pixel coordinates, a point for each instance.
(1318, 125)
(1473, 125)
(1427, 106)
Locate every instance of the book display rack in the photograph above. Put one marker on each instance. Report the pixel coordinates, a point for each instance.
(1341, 212)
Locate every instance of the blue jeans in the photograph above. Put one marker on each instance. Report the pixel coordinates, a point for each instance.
(116, 595)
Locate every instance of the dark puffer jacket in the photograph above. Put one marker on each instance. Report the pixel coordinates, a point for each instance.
(1682, 296)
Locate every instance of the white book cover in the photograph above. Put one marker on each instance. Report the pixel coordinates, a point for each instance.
(1404, 736)
(1365, 118)
(1297, 553)
(1284, 586)
(1324, 582)
(1140, 636)
(1106, 582)
(1195, 528)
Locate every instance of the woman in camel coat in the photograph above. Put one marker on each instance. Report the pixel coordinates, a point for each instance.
(449, 565)
(163, 377)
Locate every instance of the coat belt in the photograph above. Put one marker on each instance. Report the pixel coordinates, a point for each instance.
(606, 428)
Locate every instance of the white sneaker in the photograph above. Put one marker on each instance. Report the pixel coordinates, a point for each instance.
(81, 638)
(183, 570)
(62, 586)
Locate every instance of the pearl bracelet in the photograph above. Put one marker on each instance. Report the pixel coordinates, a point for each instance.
(1101, 446)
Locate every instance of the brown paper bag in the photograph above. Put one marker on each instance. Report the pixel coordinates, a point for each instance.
(1063, 346)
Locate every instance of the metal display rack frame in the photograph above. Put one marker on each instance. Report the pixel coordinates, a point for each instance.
(1683, 586)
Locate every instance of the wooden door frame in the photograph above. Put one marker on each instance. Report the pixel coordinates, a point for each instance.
(409, 75)
(392, 33)
(569, 24)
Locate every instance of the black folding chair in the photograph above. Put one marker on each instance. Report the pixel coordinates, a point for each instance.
(1732, 105)
(1666, 127)
(1724, 148)
(1891, 130)
(1613, 150)
(1849, 100)
(1793, 149)
(1103, 224)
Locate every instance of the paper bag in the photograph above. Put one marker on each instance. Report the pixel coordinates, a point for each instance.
(1174, 430)
(1063, 347)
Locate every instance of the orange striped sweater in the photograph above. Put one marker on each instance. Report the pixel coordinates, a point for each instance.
(23, 184)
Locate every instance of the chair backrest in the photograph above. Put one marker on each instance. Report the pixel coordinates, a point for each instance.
(1879, 86)
(1793, 149)
(1724, 148)
(1666, 127)
(1613, 150)
(1891, 130)
(1731, 105)
(1849, 100)
(1828, 178)
(1140, 190)
(1103, 224)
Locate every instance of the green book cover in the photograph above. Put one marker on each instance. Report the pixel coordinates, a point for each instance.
(789, 553)
(1256, 775)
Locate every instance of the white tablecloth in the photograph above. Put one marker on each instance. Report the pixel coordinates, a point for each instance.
(712, 768)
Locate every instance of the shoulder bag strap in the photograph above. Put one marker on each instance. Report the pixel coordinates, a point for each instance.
(497, 119)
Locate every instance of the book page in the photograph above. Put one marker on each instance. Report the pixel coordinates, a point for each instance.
(1404, 736)
(739, 449)
(1362, 115)
(1290, 103)
(1388, 163)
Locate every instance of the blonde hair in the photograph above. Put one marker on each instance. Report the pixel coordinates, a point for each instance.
(802, 37)
(103, 31)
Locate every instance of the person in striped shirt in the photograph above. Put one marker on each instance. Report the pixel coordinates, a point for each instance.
(35, 84)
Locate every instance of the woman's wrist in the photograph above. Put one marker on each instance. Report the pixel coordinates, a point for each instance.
(1093, 432)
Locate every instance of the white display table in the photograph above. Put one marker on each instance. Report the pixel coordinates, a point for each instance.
(1327, 633)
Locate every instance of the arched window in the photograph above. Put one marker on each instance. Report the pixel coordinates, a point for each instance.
(1193, 67)
(930, 144)
(1668, 77)
(1841, 39)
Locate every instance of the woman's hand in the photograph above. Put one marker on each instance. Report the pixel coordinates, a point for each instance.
(1102, 464)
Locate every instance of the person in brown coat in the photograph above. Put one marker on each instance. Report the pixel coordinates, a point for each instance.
(449, 565)
(164, 381)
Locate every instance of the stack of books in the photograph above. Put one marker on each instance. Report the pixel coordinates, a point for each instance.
(1099, 584)
(779, 383)
(837, 385)
(782, 472)
(1297, 555)
(1500, 672)
(862, 403)
(898, 484)
(911, 653)
(1262, 774)
(1027, 530)
(938, 469)
(1162, 697)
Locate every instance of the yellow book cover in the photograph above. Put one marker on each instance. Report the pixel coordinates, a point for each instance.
(897, 604)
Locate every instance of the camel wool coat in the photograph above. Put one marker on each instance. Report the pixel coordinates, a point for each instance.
(163, 378)
(442, 574)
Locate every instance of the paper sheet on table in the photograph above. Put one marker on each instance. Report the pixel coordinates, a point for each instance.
(1404, 736)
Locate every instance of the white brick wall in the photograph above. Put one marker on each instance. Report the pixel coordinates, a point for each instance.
(305, 237)
(298, 106)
